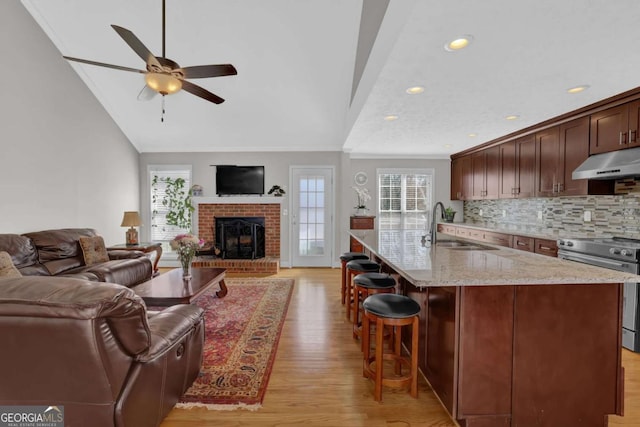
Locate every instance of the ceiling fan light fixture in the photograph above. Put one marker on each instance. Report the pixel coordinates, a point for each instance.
(162, 83)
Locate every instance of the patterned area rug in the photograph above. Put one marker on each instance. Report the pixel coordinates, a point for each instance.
(241, 339)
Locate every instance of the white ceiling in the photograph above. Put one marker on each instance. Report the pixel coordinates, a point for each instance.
(296, 62)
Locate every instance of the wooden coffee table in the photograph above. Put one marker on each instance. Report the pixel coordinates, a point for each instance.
(171, 289)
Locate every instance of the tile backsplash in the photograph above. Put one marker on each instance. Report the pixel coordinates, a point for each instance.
(617, 215)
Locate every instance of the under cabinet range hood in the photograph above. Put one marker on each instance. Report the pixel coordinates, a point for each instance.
(616, 164)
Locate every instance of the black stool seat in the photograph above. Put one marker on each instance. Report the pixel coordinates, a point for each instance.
(374, 280)
(391, 306)
(363, 265)
(350, 256)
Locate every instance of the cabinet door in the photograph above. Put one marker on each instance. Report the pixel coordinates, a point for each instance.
(634, 124)
(461, 178)
(574, 149)
(547, 152)
(546, 247)
(492, 172)
(507, 170)
(478, 174)
(441, 342)
(525, 166)
(609, 130)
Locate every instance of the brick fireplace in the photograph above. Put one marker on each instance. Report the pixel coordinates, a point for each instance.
(206, 213)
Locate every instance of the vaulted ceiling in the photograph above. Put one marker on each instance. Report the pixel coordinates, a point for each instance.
(323, 74)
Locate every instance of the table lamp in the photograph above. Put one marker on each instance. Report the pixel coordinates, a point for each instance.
(131, 219)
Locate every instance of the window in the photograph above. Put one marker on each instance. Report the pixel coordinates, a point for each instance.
(404, 190)
(158, 177)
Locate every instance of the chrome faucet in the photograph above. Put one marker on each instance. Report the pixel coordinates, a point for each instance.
(433, 221)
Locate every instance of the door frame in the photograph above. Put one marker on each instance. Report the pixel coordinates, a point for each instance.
(332, 213)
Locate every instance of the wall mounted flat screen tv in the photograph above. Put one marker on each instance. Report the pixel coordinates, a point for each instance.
(239, 180)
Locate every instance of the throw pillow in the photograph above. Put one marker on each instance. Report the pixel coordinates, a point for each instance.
(7, 269)
(93, 250)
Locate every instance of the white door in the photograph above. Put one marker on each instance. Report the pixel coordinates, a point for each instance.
(311, 216)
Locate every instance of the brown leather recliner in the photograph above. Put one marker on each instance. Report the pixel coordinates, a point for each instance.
(94, 349)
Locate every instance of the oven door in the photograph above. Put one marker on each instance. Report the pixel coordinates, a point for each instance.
(611, 264)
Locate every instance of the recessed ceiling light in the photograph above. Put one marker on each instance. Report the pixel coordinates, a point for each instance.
(391, 117)
(472, 135)
(415, 90)
(447, 145)
(578, 89)
(459, 43)
(512, 117)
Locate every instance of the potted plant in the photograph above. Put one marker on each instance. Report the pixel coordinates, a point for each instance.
(363, 198)
(449, 213)
(277, 191)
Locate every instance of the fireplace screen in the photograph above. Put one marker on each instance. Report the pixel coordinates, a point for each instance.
(240, 237)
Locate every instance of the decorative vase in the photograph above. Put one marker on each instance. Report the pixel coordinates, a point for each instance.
(361, 211)
(185, 261)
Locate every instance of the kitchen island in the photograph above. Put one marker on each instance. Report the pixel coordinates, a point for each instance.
(510, 338)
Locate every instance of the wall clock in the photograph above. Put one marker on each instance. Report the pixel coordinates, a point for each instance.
(360, 178)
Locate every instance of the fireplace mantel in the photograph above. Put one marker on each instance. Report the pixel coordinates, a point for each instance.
(236, 200)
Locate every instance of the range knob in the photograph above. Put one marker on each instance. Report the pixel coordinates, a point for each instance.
(614, 251)
(569, 243)
(626, 252)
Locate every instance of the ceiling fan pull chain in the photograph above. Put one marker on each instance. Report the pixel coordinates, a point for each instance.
(162, 116)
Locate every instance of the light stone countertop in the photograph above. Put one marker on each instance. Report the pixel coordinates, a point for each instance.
(424, 266)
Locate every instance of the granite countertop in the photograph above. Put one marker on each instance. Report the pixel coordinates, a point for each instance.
(481, 264)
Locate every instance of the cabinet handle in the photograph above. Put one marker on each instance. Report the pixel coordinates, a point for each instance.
(560, 187)
(620, 139)
(632, 136)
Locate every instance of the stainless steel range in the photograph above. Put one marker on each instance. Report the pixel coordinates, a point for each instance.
(615, 253)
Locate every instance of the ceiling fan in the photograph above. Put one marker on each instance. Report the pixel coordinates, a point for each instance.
(163, 75)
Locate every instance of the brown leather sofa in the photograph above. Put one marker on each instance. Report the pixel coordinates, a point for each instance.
(94, 349)
(58, 253)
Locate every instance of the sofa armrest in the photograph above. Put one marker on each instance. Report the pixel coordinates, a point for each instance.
(170, 326)
(124, 254)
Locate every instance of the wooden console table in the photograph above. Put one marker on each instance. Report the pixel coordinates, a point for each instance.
(359, 223)
(143, 247)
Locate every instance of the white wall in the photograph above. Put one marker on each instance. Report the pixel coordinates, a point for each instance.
(63, 161)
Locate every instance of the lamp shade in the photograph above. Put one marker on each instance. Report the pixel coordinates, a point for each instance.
(131, 219)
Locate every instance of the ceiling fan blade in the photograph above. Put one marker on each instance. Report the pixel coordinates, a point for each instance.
(146, 94)
(137, 46)
(203, 71)
(201, 92)
(102, 64)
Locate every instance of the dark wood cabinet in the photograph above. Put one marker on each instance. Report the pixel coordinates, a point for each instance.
(507, 170)
(574, 149)
(485, 166)
(359, 223)
(525, 166)
(547, 161)
(447, 229)
(500, 239)
(615, 128)
(546, 247)
(461, 178)
(559, 151)
(441, 343)
(523, 243)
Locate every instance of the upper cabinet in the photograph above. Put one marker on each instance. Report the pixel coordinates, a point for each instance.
(485, 167)
(547, 162)
(516, 173)
(615, 128)
(461, 178)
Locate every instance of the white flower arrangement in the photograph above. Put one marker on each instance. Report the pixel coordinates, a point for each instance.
(363, 197)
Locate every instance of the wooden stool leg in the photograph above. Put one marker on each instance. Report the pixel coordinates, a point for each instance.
(414, 357)
(356, 310)
(343, 283)
(397, 348)
(377, 394)
(366, 345)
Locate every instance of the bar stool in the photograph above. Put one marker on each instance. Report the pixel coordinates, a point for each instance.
(364, 285)
(396, 311)
(355, 267)
(344, 259)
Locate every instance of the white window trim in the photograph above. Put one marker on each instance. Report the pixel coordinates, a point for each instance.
(404, 171)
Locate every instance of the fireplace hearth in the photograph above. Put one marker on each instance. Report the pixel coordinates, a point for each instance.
(240, 237)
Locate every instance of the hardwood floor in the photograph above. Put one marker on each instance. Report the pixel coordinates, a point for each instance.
(317, 376)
